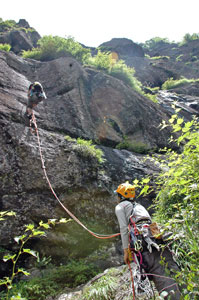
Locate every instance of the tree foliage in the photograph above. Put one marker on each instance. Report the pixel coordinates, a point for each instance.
(7, 25)
(51, 47)
(150, 44)
(190, 37)
(103, 61)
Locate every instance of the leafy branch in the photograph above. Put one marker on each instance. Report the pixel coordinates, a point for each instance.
(31, 231)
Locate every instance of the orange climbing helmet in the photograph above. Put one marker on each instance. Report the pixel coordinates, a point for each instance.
(126, 189)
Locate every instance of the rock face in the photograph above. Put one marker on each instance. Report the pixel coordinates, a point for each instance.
(124, 48)
(81, 103)
(155, 65)
(86, 103)
(189, 105)
(23, 37)
(171, 61)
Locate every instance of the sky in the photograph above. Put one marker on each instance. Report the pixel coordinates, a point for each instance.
(93, 22)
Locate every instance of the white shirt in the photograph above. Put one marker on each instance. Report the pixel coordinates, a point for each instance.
(123, 211)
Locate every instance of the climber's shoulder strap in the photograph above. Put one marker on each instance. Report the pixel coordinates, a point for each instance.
(133, 209)
(131, 221)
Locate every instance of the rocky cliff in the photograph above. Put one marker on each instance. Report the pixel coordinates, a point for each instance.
(21, 36)
(82, 103)
(161, 61)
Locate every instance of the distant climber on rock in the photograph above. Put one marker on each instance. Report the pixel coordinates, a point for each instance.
(36, 94)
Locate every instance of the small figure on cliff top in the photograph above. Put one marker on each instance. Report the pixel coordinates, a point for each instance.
(36, 94)
(141, 240)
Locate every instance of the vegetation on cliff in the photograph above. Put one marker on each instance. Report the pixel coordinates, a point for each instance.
(5, 47)
(50, 48)
(51, 282)
(8, 25)
(171, 83)
(176, 205)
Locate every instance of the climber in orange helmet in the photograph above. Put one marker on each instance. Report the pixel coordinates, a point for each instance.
(134, 221)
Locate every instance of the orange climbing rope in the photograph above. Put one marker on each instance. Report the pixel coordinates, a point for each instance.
(97, 235)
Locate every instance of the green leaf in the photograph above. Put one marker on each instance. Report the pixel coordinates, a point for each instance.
(64, 220)
(31, 252)
(20, 238)
(145, 180)
(45, 225)
(180, 121)
(8, 257)
(52, 221)
(5, 281)
(38, 232)
(163, 125)
(177, 127)
(10, 213)
(136, 182)
(23, 271)
(144, 190)
(29, 227)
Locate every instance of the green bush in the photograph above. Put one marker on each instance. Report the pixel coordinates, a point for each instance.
(102, 61)
(30, 232)
(189, 37)
(50, 47)
(5, 47)
(150, 44)
(121, 71)
(177, 202)
(87, 149)
(137, 147)
(7, 25)
(176, 205)
(103, 289)
(160, 57)
(55, 280)
(118, 69)
(151, 97)
(69, 138)
(171, 83)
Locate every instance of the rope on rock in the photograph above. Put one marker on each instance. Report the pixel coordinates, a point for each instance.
(97, 235)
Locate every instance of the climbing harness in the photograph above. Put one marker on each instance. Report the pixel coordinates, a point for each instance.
(97, 235)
